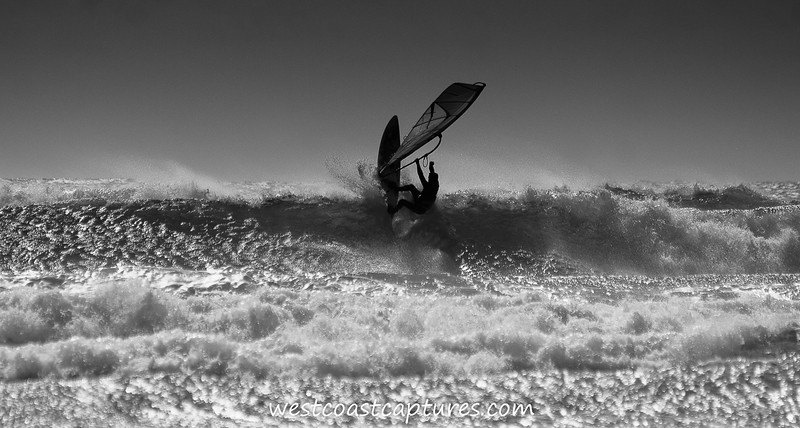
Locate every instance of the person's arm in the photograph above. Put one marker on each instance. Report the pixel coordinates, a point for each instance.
(421, 175)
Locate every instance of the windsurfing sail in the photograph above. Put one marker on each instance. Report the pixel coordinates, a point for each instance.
(448, 107)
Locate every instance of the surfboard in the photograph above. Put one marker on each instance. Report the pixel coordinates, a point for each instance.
(390, 142)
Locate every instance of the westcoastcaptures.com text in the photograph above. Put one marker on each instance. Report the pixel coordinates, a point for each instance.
(426, 410)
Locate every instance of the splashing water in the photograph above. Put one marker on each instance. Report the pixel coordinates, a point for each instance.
(542, 296)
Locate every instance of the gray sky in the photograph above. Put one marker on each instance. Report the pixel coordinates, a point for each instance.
(263, 90)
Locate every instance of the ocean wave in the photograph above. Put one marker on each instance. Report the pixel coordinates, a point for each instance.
(127, 327)
(494, 234)
(707, 198)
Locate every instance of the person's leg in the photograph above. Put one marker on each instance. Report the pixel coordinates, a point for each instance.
(417, 209)
(400, 204)
(414, 207)
(409, 188)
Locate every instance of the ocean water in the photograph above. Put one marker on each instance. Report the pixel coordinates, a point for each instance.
(128, 303)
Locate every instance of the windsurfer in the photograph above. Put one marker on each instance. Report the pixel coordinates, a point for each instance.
(423, 201)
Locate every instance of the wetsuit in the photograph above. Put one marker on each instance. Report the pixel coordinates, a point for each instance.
(424, 200)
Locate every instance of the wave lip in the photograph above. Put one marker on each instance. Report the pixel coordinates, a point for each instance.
(733, 197)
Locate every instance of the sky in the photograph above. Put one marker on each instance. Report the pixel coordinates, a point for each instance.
(589, 90)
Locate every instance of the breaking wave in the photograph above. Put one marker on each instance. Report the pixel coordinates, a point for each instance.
(127, 327)
(273, 280)
(69, 225)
